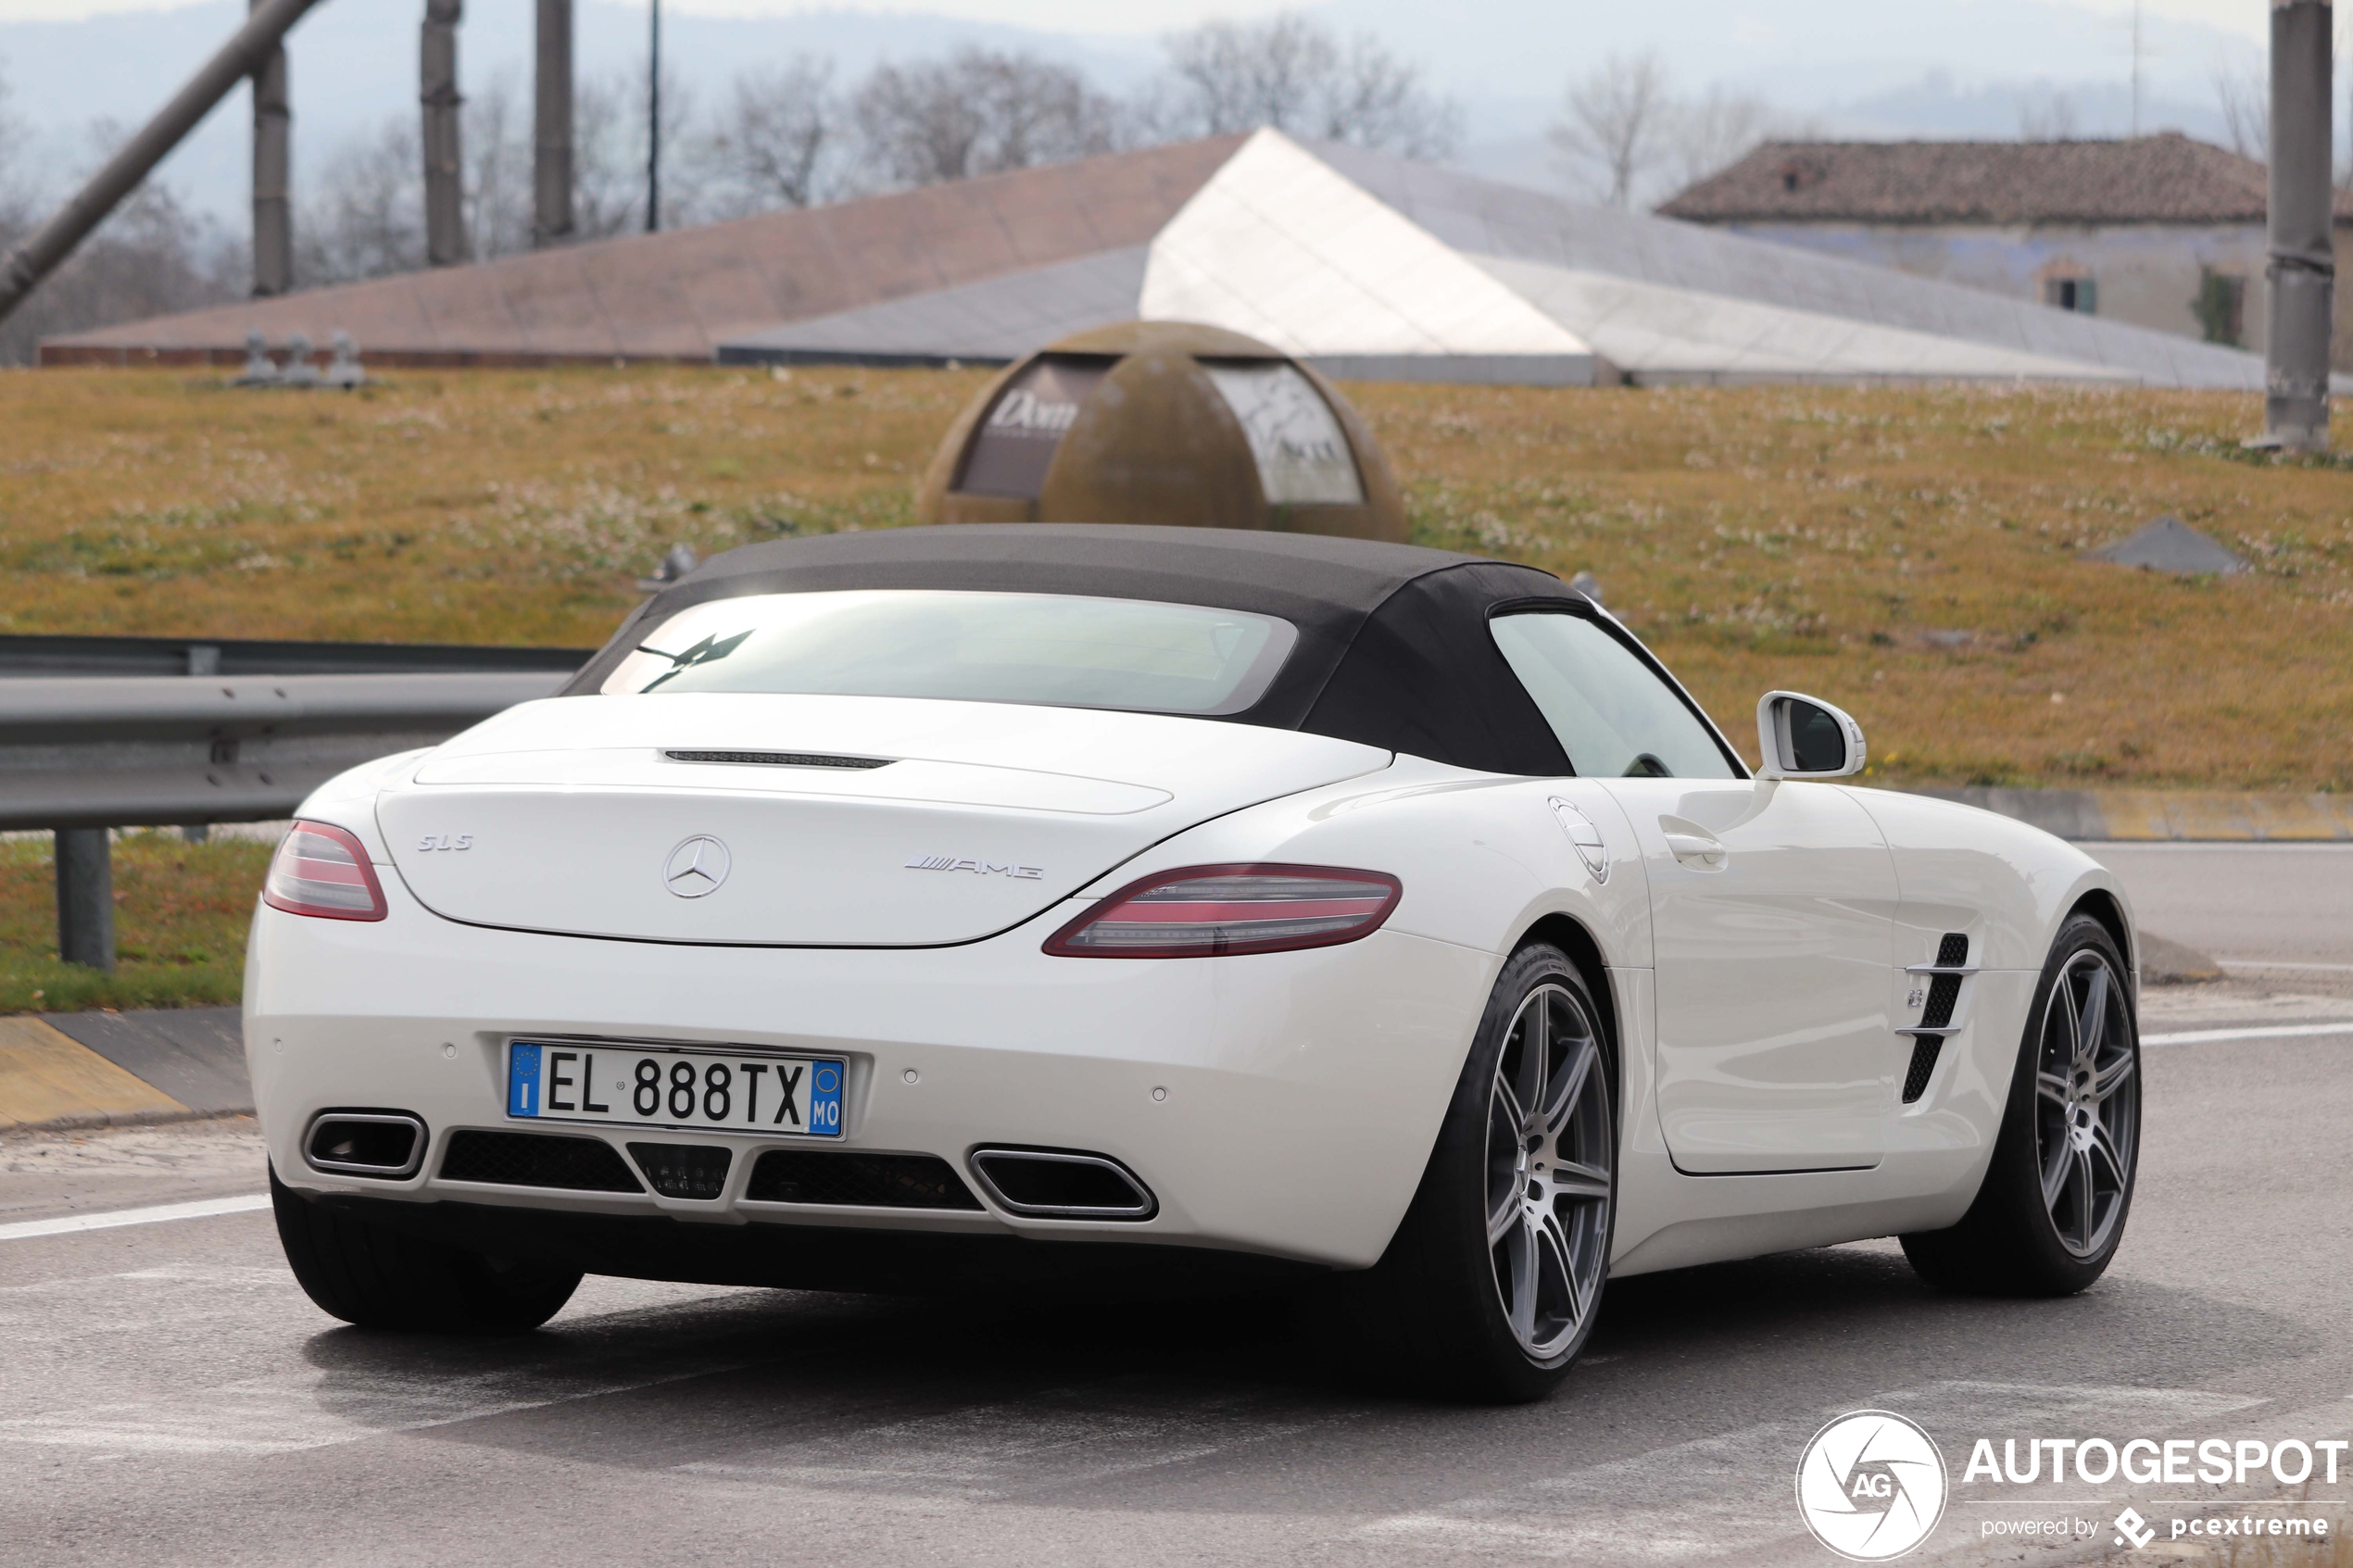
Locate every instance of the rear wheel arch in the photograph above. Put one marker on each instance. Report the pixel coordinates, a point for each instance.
(1584, 955)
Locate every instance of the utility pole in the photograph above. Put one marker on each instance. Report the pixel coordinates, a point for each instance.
(551, 221)
(653, 124)
(445, 164)
(2302, 273)
(272, 176)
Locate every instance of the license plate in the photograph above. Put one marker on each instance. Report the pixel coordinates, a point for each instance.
(549, 1081)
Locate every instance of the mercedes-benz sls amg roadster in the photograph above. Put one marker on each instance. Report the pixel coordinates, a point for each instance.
(918, 909)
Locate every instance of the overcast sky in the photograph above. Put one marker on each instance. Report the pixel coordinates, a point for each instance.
(2249, 16)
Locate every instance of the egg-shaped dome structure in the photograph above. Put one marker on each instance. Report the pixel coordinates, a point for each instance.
(1167, 422)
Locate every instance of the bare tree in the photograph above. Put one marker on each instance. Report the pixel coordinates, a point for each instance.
(976, 112)
(1294, 74)
(1614, 125)
(777, 140)
(150, 258)
(1710, 134)
(2046, 114)
(498, 173)
(608, 152)
(2244, 98)
(364, 212)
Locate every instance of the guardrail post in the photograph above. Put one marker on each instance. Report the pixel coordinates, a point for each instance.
(85, 896)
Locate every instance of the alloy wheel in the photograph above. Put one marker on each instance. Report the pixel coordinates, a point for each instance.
(1549, 1188)
(2087, 1100)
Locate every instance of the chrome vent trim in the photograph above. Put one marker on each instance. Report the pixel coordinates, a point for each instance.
(779, 758)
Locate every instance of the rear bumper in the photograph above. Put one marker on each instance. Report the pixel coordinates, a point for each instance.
(1281, 1104)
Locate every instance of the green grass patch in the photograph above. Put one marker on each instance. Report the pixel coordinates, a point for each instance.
(181, 912)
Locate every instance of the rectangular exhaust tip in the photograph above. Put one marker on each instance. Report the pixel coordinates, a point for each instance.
(385, 1144)
(1061, 1184)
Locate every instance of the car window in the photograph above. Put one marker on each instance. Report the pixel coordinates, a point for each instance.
(1060, 650)
(1612, 714)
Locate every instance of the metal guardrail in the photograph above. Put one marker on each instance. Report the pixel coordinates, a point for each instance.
(24, 656)
(82, 754)
(100, 752)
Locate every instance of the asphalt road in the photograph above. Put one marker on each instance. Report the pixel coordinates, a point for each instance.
(167, 1396)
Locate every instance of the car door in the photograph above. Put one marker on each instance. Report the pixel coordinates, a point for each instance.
(1772, 926)
(1772, 908)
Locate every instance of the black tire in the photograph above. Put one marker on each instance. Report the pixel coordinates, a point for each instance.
(2015, 1240)
(376, 1277)
(1435, 1305)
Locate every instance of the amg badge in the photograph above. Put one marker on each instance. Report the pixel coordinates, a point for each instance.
(978, 867)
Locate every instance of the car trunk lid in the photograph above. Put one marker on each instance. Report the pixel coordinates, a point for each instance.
(740, 818)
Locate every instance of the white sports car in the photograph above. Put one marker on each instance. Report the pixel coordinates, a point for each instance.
(894, 910)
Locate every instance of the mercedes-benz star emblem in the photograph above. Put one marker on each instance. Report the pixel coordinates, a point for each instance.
(695, 867)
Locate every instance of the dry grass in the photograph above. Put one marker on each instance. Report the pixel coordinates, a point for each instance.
(181, 914)
(1910, 553)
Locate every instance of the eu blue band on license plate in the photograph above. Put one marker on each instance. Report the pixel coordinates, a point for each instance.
(638, 1085)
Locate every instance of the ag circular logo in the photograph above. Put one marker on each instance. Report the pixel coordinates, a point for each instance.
(695, 867)
(1871, 1486)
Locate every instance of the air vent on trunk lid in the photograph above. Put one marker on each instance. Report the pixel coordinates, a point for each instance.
(780, 759)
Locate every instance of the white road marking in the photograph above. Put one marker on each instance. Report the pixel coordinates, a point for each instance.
(202, 1209)
(2260, 1032)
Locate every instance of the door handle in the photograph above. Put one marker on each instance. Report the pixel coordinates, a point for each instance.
(1696, 849)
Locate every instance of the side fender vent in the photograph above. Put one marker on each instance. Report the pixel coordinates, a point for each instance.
(1925, 1051)
(1943, 995)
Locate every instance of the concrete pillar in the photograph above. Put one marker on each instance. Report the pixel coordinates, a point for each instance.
(272, 177)
(445, 164)
(86, 898)
(2303, 265)
(551, 221)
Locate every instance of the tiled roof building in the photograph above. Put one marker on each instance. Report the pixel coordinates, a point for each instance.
(2164, 231)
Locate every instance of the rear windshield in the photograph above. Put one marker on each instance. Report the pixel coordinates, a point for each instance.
(1054, 649)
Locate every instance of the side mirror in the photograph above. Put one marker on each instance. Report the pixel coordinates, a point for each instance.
(1803, 738)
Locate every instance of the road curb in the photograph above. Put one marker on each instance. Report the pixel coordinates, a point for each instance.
(49, 1079)
(2158, 816)
(65, 1071)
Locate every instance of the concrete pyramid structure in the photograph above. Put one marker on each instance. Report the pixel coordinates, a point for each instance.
(1368, 266)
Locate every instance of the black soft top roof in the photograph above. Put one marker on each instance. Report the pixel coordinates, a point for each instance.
(1393, 649)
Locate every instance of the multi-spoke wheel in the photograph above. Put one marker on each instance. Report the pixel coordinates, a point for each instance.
(2087, 1103)
(2060, 1185)
(1492, 1283)
(1548, 1177)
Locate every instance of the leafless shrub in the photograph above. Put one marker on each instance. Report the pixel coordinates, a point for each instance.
(1626, 137)
(362, 215)
(497, 142)
(1614, 131)
(1295, 74)
(152, 257)
(777, 140)
(2046, 114)
(976, 112)
(2244, 98)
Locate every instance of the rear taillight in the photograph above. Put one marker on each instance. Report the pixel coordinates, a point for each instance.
(1206, 912)
(323, 870)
